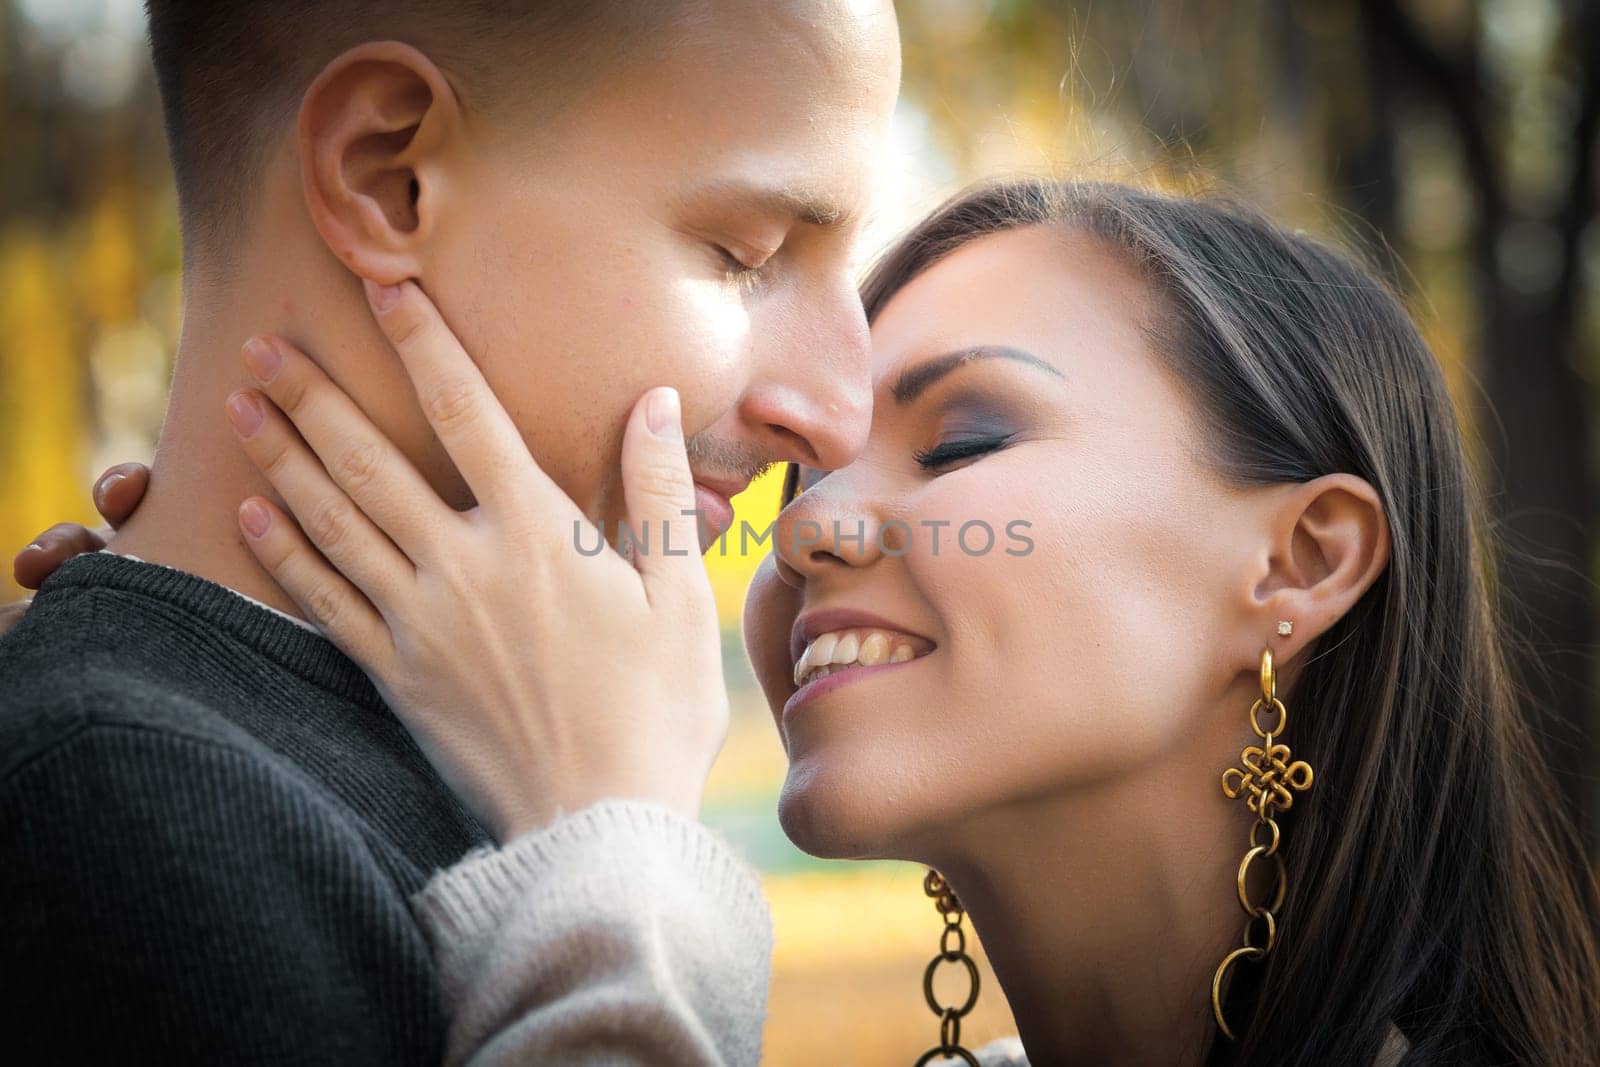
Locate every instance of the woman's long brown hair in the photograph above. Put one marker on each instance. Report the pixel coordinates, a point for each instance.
(1437, 884)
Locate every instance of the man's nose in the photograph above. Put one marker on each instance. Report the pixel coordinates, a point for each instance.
(811, 397)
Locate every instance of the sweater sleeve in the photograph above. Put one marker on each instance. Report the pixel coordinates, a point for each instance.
(624, 933)
(173, 900)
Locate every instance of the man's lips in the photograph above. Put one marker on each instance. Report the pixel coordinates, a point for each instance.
(716, 513)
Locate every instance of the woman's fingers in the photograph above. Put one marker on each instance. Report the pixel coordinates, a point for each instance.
(364, 463)
(659, 491)
(119, 490)
(339, 529)
(472, 425)
(116, 494)
(51, 549)
(325, 596)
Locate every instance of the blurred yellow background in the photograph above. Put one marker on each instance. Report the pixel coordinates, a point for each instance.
(1454, 138)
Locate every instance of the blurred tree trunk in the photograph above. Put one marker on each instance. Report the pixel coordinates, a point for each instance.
(1532, 353)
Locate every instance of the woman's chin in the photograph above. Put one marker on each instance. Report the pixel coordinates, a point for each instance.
(833, 819)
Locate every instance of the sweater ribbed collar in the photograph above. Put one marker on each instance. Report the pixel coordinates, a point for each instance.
(280, 638)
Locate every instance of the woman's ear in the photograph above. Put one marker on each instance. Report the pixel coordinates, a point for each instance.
(1328, 542)
(375, 129)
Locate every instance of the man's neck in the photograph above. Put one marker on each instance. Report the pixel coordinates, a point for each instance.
(188, 518)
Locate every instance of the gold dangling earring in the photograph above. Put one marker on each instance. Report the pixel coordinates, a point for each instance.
(949, 1046)
(1266, 783)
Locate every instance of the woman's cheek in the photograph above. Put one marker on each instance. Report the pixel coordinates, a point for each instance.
(771, 606)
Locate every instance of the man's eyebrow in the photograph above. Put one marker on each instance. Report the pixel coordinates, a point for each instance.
(812, 208)
(913, 381)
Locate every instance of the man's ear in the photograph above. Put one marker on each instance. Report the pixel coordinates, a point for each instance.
(1328, 542)
(374, 129)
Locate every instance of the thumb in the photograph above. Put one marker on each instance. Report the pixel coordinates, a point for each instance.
(119, 490)
(659, 491)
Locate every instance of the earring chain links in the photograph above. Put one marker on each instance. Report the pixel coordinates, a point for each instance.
(952, 950)
(1267, 779)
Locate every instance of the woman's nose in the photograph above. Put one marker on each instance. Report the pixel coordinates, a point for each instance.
(825, 529)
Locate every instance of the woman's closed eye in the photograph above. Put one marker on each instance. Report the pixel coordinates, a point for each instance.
(945, 455)
(954, 450)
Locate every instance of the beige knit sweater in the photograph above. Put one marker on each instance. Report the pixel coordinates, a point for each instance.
(621, 934)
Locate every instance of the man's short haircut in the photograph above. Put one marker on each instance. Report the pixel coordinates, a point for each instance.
(231, 72)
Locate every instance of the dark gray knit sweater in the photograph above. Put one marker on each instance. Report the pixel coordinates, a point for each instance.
(210, 828)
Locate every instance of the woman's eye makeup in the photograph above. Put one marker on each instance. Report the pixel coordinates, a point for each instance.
(957, 448)
(970, 439)
(965, 426)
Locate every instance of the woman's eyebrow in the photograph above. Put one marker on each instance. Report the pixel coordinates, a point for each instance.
(914, 380)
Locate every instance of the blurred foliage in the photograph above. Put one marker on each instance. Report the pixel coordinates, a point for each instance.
(1453, 139)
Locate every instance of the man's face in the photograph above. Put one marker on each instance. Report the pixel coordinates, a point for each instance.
(610, 252)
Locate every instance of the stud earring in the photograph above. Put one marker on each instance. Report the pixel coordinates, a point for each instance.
(1285, 628)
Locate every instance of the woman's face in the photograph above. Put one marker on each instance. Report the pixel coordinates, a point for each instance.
(1015, 390)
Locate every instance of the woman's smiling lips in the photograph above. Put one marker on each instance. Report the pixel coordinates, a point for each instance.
(831, 647)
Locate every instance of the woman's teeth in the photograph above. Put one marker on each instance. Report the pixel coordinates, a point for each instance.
(841, 650)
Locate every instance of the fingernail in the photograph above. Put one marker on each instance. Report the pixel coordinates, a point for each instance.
(254, 518)
(32, 547)
(381, 297)
(245, 414)
(103, 486)
(263, 359)
(661, 413)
